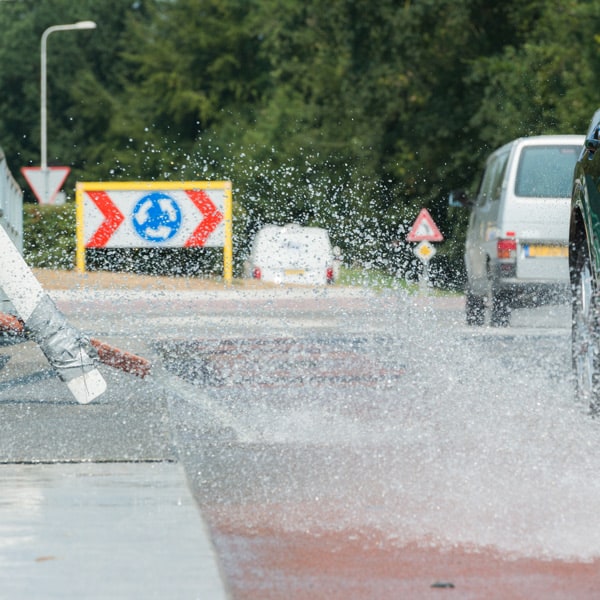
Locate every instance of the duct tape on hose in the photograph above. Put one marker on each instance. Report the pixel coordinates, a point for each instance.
(69, 351)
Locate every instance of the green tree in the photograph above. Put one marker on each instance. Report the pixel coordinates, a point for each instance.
(348, 114)
(83, 77)
(546, 84)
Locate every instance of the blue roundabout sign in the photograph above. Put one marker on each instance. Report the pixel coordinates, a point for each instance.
(156, 217)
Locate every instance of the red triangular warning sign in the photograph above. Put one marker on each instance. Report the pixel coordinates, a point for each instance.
(424, 229)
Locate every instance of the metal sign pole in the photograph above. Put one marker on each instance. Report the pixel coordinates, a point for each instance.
(424, 278)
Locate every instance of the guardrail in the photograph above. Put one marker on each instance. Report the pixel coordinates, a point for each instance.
(11, 205)
(11, 215)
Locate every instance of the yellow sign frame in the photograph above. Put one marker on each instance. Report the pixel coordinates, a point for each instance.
(93, 186)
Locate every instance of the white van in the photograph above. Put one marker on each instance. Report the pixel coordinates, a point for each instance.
(292, 254)
(516, 251)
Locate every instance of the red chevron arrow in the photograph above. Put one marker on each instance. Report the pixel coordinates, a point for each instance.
(113, 218)
(212, 218)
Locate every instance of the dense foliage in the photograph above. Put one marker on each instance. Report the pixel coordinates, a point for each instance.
(349, 114)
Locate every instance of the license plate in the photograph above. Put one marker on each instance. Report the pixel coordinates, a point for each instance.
(292, 272)
(541, 250)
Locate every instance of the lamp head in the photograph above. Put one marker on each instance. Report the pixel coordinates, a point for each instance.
(85, 25)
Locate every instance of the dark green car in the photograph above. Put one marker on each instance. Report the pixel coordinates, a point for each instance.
(584, 266)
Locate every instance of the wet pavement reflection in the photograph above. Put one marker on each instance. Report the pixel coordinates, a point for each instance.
(351, 444)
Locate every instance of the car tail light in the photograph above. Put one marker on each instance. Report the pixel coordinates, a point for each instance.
(256, 274)
(329, 274)
(506, 248)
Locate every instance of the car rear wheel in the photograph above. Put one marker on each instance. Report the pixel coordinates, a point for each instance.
(475, 309)
(584, 335)
(500, 316)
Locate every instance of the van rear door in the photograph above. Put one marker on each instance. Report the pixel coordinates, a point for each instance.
(537, 210)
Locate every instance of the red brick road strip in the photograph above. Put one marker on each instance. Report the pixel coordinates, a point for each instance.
(268, 563)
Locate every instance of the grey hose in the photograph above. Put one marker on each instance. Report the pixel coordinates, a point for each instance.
(68, 350)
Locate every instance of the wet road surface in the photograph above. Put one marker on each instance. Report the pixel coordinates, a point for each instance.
(357, 445)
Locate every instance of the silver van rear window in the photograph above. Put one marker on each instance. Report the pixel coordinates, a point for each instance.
(546, 171)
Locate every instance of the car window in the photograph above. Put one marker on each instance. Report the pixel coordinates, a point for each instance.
(595, 120)
(491, 185)
(546, 171)
(498, 176)
(282, 247)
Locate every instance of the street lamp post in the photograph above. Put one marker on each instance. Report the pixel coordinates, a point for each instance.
(43, 77)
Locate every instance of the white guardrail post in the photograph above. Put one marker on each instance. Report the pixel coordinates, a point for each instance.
(11, 216)
(11, 205)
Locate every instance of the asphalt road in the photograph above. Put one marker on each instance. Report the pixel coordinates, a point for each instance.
(345, 444)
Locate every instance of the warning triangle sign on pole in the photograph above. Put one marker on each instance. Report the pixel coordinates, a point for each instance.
(424, 229)
(45, 183)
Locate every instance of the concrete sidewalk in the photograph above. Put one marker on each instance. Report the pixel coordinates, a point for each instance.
(110, 531)
(94, 503)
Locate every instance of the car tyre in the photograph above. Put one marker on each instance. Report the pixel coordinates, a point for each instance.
(500, 316)
(584, 334)
(475, 309)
